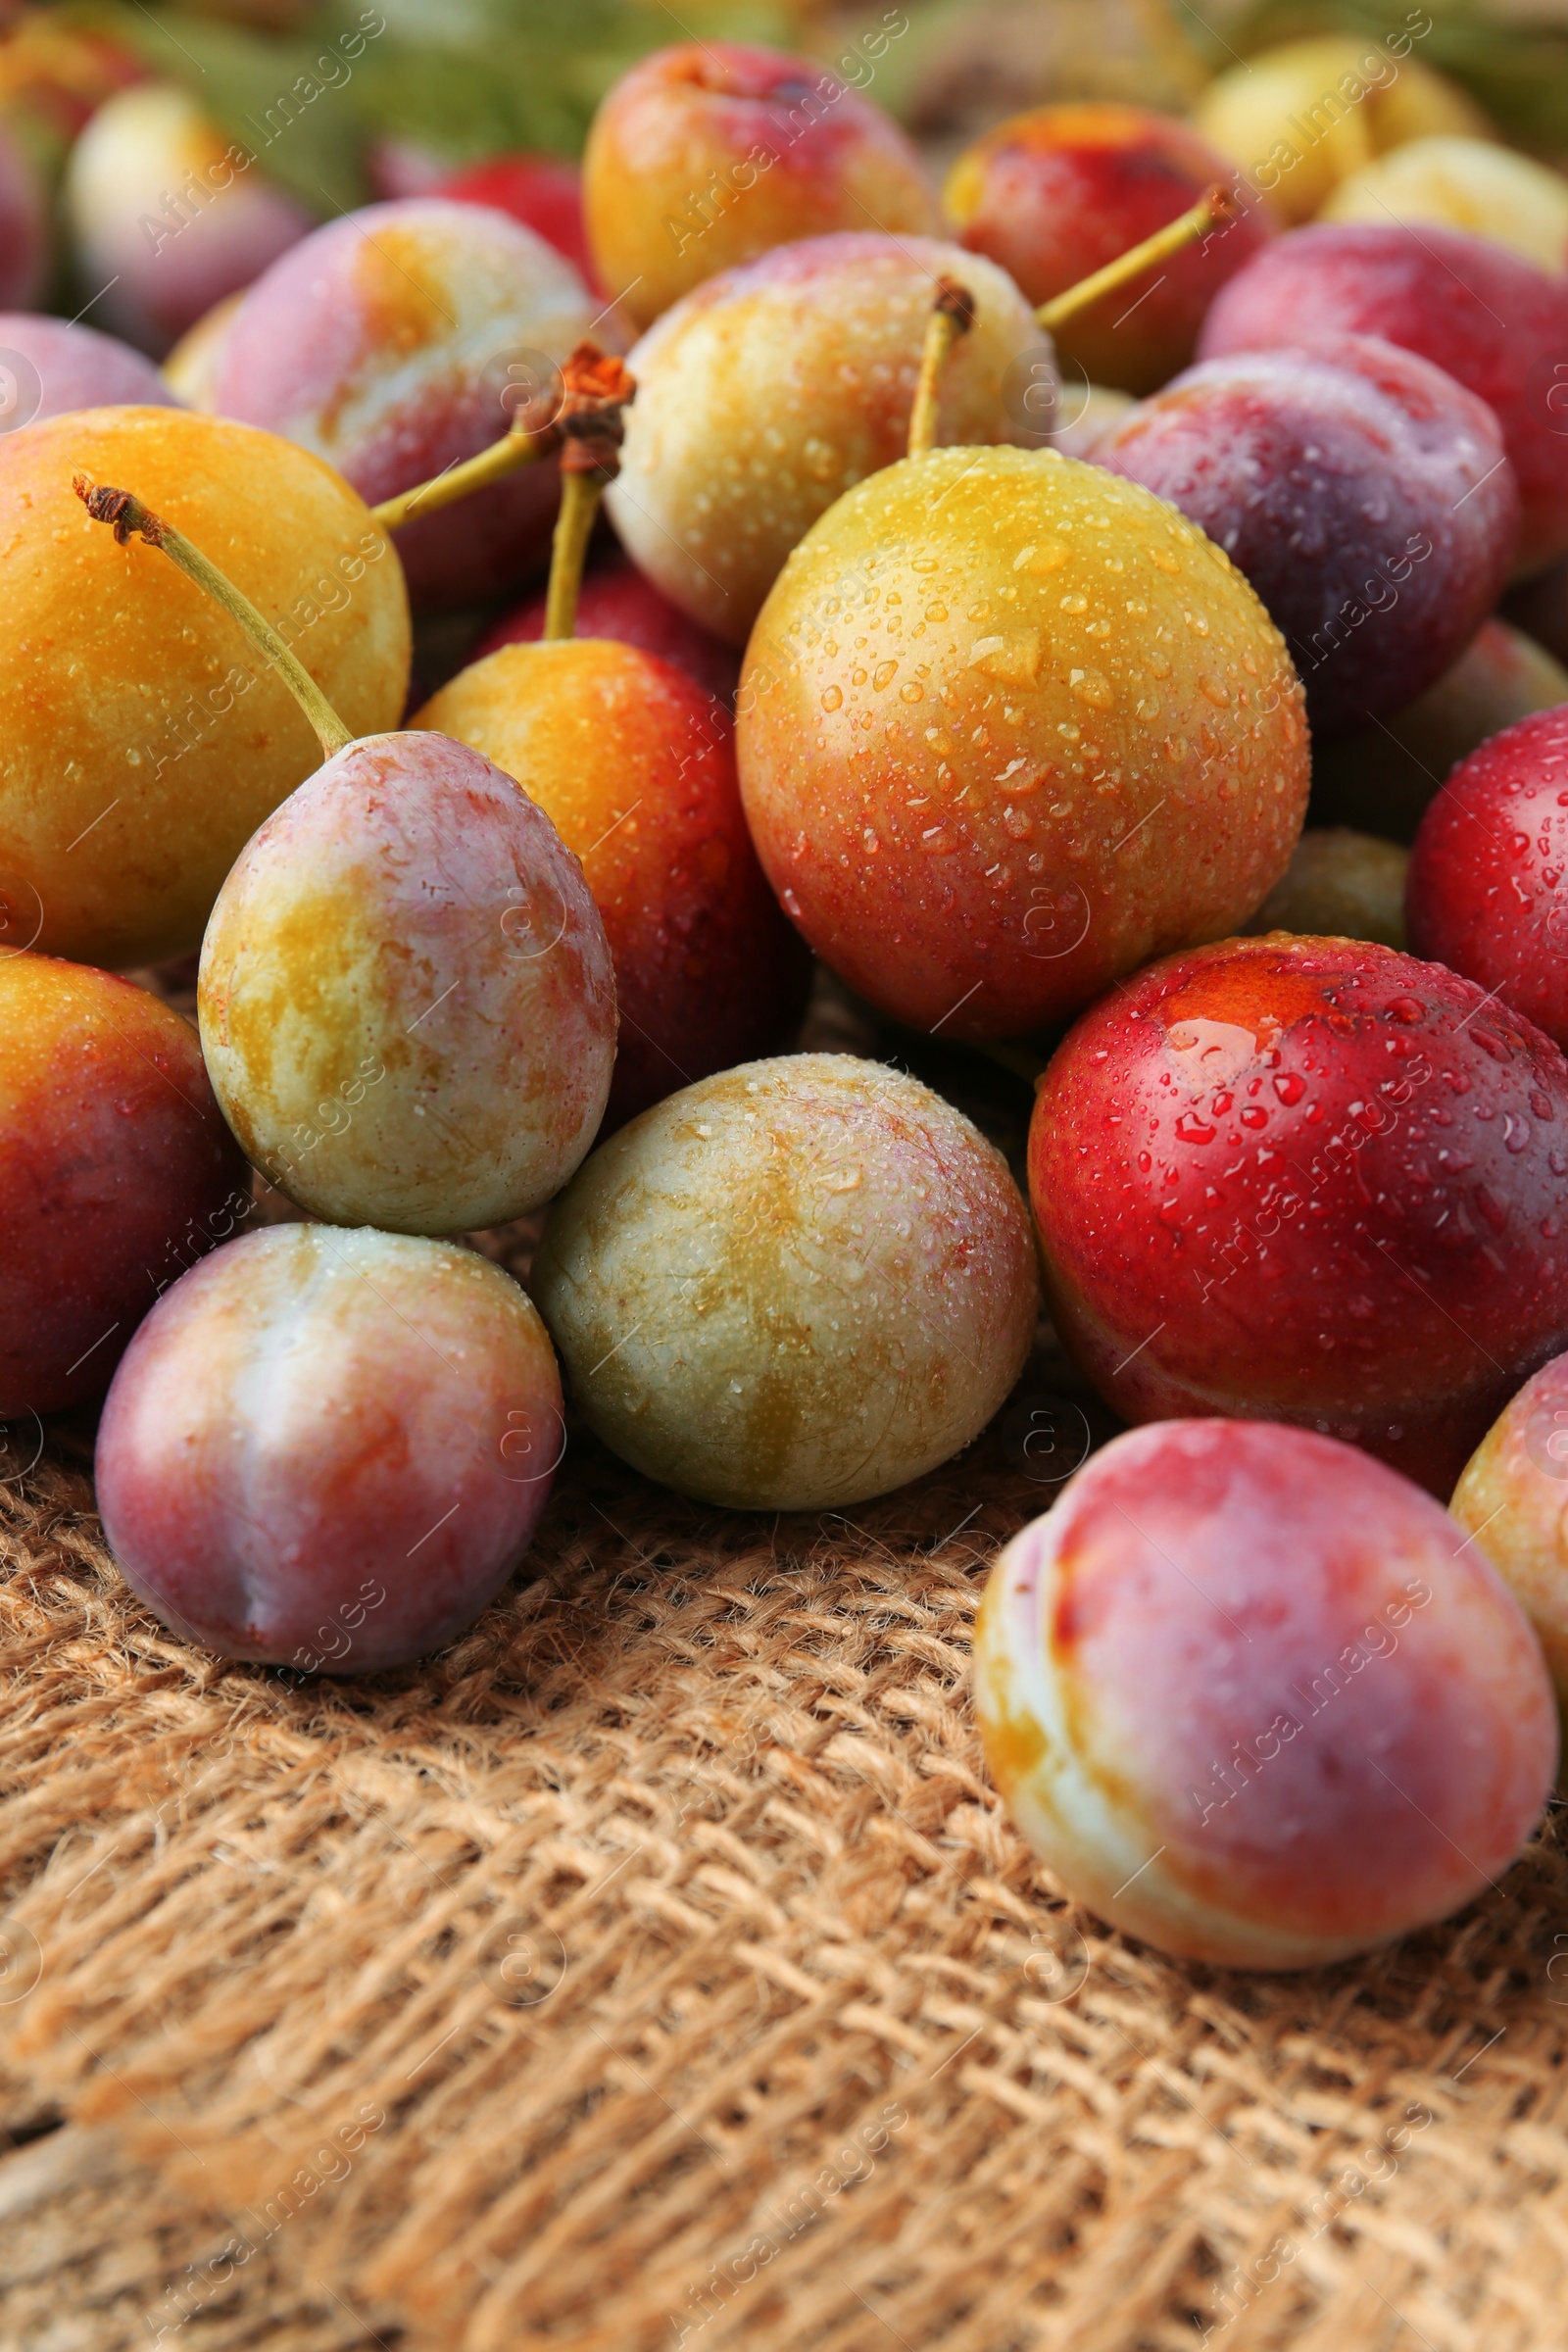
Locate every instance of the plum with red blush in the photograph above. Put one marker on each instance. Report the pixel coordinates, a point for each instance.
(1488, 886)
(1495, 322)
(1365, 494)
(1312, 1181)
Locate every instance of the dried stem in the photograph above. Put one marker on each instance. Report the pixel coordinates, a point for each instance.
(952, 315)
(597, 390)
(1216, 207)
(125, 514)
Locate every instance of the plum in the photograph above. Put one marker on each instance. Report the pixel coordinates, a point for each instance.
(542, 191)
(329, 1450)
(406, 994)
(1364, 493)
(1307, 1180)
(115, 1168)
(145, 740)
(191, 370)
(1060, 191)
(167, 213)
(1495, 322)
(617, 600)
(1345, 884)
(1008, 728)
(1250, 1699)
(1513, 1504)
(1473, 184)
(776, 387)
(710, 152)
(1385, 778)
(397, 341)
(1299, 117)
(23, 227)
(634, 765)
(51, 365)
(793, 1285)
(1487, 892)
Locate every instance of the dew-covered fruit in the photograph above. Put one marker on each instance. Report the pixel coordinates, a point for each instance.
(144, 739)
(1495, 322)
(711, 152)
(1057, 193)
(634, 765)
(794, 1285)
(396, 342)
(1307, 1180)
(167, 213)
(1364, 493)
(1249, 1699)
(1385, 778)
(1340, 883)
(1302, 117)
(1512, 1501)
(1487, 889)
(49, 365)
(116, 1169)
(1466, 183)
(1009, 726)
(617, 601)
(329, 1450)
(771, 390)
(406, 997)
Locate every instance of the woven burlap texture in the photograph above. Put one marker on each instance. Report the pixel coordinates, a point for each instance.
(656, 1967)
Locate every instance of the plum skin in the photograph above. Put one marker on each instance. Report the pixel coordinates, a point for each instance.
(1307, 1180)
(1484, 892)
(312, 1415)
(635, 766)
(1365, 495)
(116, 1169)
(77, 368)
(708, 152)
(1008, 728)
(145, 740)
(773, 388)
(1251, 1700)
(1512, 1499)
(406, 995)
(1055, 193)
(368, 343)
(795, 1285)
(1441, 294)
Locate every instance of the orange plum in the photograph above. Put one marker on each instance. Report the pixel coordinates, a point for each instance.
(711, 152)
(634, 765)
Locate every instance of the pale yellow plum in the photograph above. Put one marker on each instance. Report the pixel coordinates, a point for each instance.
(791, 1286)
(771, 390)
(1301, 117)
(1473, 184)
(1382, 781)
(191, 369)
(144, 739)
(1339, 885)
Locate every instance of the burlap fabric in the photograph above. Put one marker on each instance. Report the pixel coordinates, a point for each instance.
(656, 1968)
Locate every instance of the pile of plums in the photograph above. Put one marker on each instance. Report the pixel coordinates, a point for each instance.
(987, 629)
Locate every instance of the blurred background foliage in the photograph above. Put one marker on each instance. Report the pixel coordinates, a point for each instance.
(462, 79)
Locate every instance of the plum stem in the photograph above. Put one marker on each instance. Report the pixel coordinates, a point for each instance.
(952, 315)
(124, 513)
(1216, 207)
(518, 447)
(596, 391)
